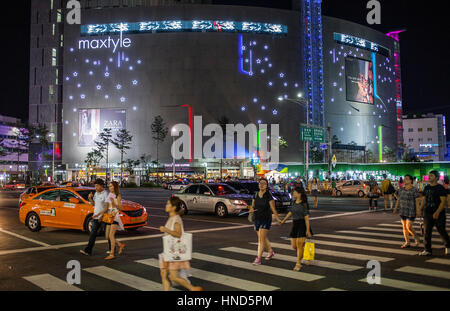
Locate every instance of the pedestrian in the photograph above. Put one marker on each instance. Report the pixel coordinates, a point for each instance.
(408, 200)
(263, 205)
(315, 192)
(446, 186)
(170, 271)
(401, 183)
(301, 229)
(333, 187)
(373, 195)
(99, 202)
(387, 190)
(114, 206)
(433, 211)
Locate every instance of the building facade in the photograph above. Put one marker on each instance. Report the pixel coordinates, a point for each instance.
(425, 136)
(130, 61)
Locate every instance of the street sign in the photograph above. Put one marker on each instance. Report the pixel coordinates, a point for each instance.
(323, 146)
(314, 134)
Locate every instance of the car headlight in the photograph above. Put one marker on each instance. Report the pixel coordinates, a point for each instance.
(238, 202)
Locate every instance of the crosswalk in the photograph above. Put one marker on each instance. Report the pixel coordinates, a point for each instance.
(342, 253)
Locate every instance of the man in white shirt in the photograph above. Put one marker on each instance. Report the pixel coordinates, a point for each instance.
(100, 207)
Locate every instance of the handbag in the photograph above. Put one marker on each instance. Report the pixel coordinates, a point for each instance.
(177, 249)
(309, 250)
(108, 218)
(390, 189)
(251, 217)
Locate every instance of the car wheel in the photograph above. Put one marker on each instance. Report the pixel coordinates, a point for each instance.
(339, 193)
(184, 207)
(221, 210)
(33, 222)
(360, 194)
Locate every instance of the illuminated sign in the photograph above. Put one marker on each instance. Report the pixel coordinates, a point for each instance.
(361, 43)
(86, 44)
(180, 26)
(429, 145)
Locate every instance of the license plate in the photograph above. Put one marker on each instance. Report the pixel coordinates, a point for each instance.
(134, 220)
(286, 203)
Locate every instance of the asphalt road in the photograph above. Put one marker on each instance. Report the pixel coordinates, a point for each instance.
(347, 237)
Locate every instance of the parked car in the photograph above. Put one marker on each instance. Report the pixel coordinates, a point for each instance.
(177, 185)
(70, 208)
(13, 185)
(282, 199)
(218, 198)
(353, 187)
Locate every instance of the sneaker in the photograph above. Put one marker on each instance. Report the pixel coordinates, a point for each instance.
(424, 253)
(270, 256)
(108, 252)
(257, 261)
(84, 252)
(197, 289)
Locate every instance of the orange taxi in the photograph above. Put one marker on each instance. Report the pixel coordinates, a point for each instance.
(70, 208)
(32, 191)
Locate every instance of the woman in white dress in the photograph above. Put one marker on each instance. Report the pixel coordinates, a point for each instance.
(114, 202)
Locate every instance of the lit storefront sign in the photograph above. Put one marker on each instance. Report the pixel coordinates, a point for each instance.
(361, 43)
(179, 26)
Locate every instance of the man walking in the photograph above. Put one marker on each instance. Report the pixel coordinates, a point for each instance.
(434, 213)
(99, 202)
(388, 190)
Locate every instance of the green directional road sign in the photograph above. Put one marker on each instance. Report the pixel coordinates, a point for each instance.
(314, 134)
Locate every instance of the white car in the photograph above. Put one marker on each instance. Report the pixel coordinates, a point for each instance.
(177, 185)
(352, 187)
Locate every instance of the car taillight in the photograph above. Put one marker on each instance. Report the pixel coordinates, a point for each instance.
(21, 204)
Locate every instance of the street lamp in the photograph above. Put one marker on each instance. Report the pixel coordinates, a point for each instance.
(301, 101)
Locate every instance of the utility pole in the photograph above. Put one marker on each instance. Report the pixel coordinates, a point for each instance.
(307, 142)
(329, 149)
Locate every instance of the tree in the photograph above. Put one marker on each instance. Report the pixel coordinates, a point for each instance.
(371, 157)
(145, 160)
(130, 165)
(335, 140)
(223, 121)
(283, 143)
(389, 154)
(93, 158)
(122, 142)
(102, 143)
(159, 133)
(316, 155)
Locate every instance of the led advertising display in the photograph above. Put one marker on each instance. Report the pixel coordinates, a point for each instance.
(92, 121)
(359, 80)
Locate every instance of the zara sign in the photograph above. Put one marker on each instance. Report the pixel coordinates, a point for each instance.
(108, 43)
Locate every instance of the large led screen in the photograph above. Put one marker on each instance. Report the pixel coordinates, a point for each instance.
(92, 121)
(359, 78)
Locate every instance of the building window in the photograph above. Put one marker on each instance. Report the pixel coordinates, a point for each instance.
(62, 40)
(430, 139)
(420, 129)
(51, 4)
(53, 57)
(410, 130)
(420, 139)
(430, 129)
(58, 16)
(411, 140)
(53, 30)
(56, 74)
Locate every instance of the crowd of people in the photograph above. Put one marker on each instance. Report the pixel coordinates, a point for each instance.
(410, 204)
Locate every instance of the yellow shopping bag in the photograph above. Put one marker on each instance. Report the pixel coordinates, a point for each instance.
(308, 252)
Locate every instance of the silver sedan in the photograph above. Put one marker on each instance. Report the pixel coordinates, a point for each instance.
(220, 199)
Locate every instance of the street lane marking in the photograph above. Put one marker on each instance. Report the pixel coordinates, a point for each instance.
(23, 237)
(200, 220)
(218, 278)
(367, 247)
(333, 289)
(387, 229)
(125, 278)
(426, 272)
(50, 283)
(303, 276)
(407, 285)
(440, 261)
(384, 235)
(331, 253)
(318, 263)
(414, 225)
(345, 237)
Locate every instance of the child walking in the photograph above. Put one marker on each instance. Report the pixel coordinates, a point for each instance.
(301, 229)
(170, 270)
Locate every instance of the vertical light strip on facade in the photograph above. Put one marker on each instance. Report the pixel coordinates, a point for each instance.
(380, 142)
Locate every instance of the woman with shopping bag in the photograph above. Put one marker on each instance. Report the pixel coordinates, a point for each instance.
(171, 261)
(113, 220)
(301, 228)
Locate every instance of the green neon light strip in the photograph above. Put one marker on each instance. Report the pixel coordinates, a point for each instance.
(380, 144)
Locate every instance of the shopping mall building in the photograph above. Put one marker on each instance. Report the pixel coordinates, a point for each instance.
(130, 61)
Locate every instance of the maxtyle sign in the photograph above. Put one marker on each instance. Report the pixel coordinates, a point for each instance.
(108, 43)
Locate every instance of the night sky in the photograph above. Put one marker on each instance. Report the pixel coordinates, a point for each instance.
(424, 48)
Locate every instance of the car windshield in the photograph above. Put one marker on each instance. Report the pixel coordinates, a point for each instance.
(252, 187)
(85, 194)
(222, 189)
(45, 188)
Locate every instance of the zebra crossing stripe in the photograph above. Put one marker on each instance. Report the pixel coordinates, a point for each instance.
(387, 229)
(384, 235)
(50, 283)
(218, 278)
(303, 276)
(345, 237)
(407, 285)
(125, 278)
(426, 272)
(440, 261)
(319, 263)
(415, 226)
(367, 247)
(332, 253)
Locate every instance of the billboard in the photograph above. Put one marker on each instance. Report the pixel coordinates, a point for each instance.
(92, 121)
(359, 80)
